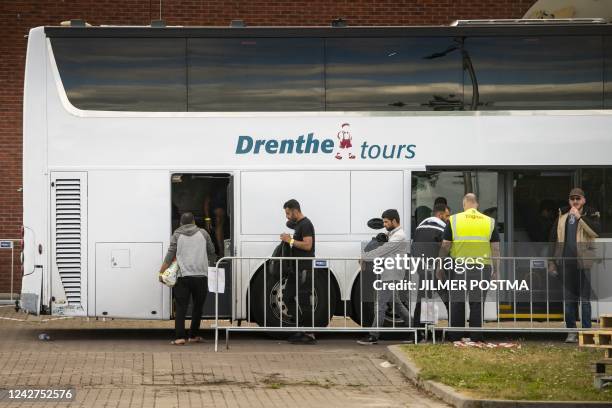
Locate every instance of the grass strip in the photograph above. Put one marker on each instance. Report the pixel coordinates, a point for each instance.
(543, 371)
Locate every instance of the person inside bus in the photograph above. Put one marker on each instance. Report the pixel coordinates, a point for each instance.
(397, 245)
(440, 200)
(302, 244)
(540, 225)
(194, 251)
(423, 212)
(574, 231)
(215, 210)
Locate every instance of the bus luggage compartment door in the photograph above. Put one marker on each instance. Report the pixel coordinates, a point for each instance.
(126, 283)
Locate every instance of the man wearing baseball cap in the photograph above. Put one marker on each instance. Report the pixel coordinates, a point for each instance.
(573, 232)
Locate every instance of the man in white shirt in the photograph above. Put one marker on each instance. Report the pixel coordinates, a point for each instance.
(396, 245)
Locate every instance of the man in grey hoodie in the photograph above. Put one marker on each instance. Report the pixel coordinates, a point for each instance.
(194, 250)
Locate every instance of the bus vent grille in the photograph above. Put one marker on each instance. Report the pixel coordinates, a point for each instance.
(68, 237)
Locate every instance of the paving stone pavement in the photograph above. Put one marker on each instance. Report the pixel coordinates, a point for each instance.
(130, 364)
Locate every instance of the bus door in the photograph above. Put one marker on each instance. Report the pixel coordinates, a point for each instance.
(534, 202)
(427, 186)
(209, 196)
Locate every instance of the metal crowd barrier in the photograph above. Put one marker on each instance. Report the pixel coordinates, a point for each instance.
(295, 326)
(541, 323)
(9, 244)
(523, 325)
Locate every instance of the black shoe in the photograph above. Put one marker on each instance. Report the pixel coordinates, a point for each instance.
(368, 340)
(302, 338)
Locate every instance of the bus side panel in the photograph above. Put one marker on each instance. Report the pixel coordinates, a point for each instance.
(373, 192)
(35, 179)
(129, 232)
(323, 195)
(338, 203)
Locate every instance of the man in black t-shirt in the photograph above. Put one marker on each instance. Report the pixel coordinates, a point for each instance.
(302, 244)
(426, 243)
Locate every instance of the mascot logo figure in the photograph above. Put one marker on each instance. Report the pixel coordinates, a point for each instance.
(345, 138)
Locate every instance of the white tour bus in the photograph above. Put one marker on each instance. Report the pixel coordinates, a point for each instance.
(125, 128)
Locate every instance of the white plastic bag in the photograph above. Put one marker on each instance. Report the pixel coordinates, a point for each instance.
(429, 311)
(170, 275)
(216, 280)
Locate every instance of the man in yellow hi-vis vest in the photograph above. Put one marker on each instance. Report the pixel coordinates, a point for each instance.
(473, 242)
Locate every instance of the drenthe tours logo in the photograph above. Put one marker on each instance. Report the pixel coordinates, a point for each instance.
(310, 144)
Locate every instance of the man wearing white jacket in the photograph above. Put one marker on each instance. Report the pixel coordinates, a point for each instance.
(397, 245)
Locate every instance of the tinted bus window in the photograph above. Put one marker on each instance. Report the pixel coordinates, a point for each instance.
(597, 186)
(453, 185)
(393, 74)
(123, 74)
(608, 72)
(260, 74)
(536, 73)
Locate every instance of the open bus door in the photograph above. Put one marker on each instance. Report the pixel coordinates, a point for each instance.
(533, 200)
(209, 196)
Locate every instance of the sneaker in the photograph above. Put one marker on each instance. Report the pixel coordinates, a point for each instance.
(571, 338)
(302, 338)
(368, 340)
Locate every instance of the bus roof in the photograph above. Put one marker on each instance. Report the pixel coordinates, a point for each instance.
(500, 28)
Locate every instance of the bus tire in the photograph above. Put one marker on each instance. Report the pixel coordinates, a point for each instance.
(357, 308)
(368, 309)
(273, 304)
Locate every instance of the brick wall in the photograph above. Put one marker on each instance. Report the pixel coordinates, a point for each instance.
(18, 16)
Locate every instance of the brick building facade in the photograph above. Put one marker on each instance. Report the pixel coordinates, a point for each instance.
(18, 16)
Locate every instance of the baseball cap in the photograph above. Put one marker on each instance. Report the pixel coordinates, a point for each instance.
(576, 191)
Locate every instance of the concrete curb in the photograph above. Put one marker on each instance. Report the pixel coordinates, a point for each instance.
(458, 400)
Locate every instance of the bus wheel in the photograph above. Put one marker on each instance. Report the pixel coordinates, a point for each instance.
(357, 308)
(271, 304)
(368, 308)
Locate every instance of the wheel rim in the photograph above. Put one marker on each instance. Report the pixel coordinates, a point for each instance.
(279, 307)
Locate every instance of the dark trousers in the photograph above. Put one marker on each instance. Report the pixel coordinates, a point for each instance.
(577, 289)
(186, 288)
(298, 303)
(475, 298)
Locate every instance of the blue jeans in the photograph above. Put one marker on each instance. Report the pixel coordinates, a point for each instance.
(577, 290)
